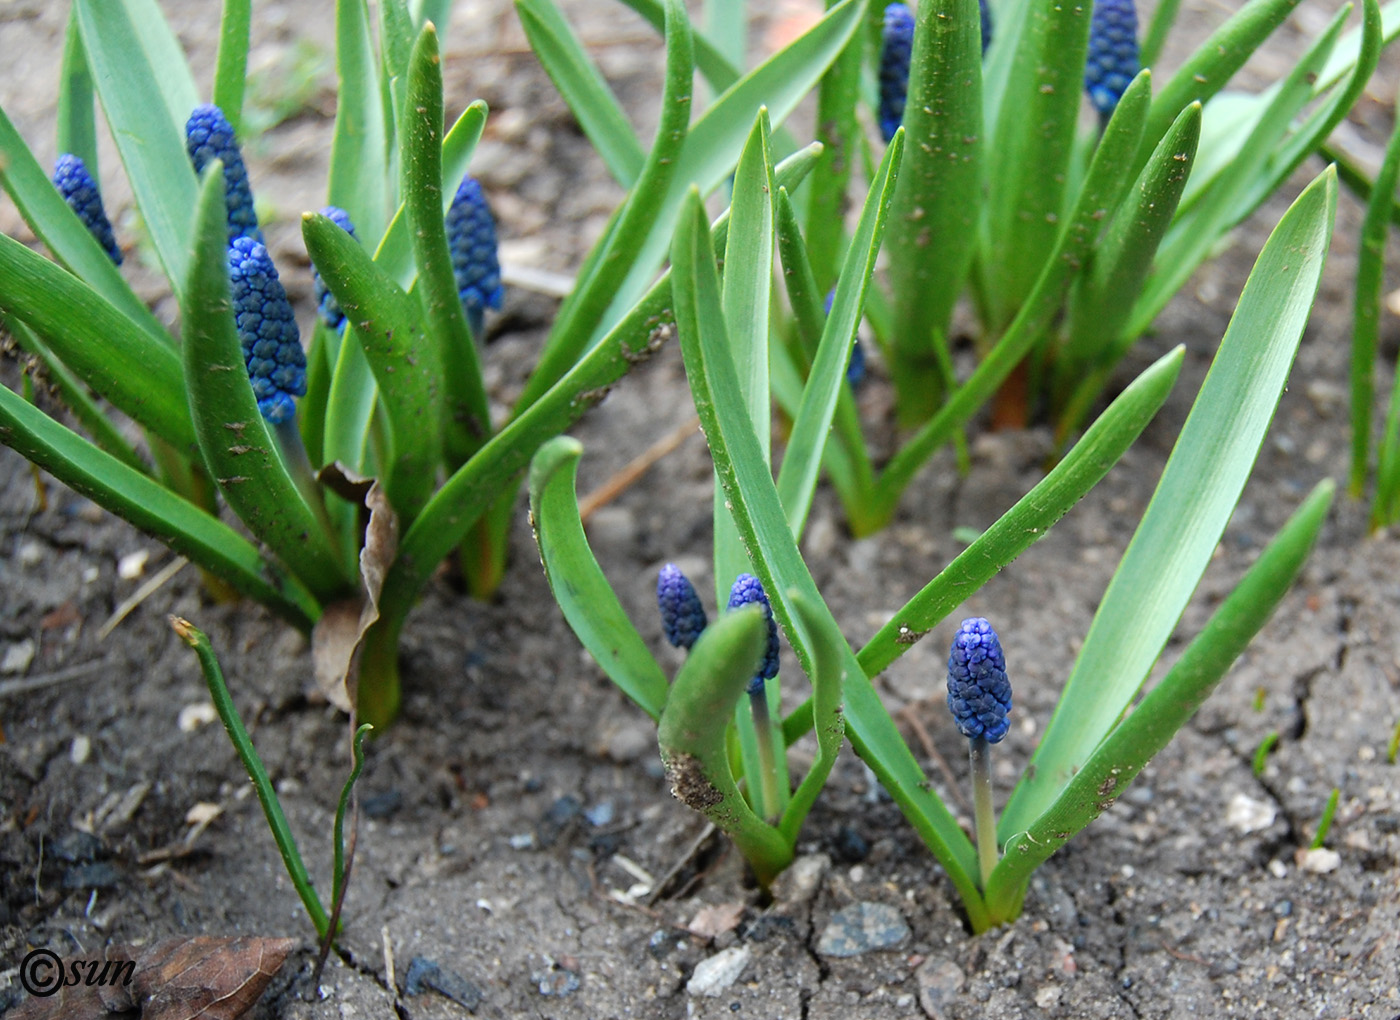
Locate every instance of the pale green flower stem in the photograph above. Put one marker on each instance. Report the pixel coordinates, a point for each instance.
(985, 819)
(767, 757)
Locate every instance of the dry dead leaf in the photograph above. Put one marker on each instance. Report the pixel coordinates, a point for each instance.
(200, 978)
(715, 918)
(335, 640)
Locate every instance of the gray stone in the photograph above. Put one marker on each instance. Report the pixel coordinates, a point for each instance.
(862, 928)
(939, 980)
(712, 976)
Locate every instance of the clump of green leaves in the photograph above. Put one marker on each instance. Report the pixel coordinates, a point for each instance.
(1094, 745)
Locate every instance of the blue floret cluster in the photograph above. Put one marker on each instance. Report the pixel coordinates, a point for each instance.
(79, 190)
(979, 695)
(897, 43)
(682, 615)
(209, 136)
(748, 590)
(471, 238)
(271, 344)
(1113, 54)
(326, 306)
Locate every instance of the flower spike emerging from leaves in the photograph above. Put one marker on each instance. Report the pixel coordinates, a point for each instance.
(79, 190)
(682, 616)
(271, 344)
(986, 25)
(748, 589)
(897, 43)
(855, 366)
(979, 696)
(209, 136)
(471, 238)
(1113, 54)
(326, 306)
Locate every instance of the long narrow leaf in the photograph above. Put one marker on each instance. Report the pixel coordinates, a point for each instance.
(152, 147)
(581, 85)
(102, 346)
(148, 505)
(238, 447)
(1149, 728)
(162, 52)
(827, 646)
(1192, 504)
(231, 64)
(583, 593)
(77, 120)
(359, 165)
(718, 69)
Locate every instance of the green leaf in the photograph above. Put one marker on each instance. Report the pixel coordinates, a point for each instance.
(1031, 518)
(466, 414)
(828, 647)
(395, 252)
(1104, 186)
(1370, 280)
(71, 243)
(1192, 504)
(583, 593)
(718, 70)
(148, 505)
(1033, 139)
(77, 120)
(74, 395)
(133, 82)
(1194, 234)
(102, 346)
(1116, 761)
(581, 85)
(716, 139)
(439, 12)
(838, 130)
(401, 355)
(797, 478)
(359, 168)
(608, 266)
(1213, 63)
(933, 230)
(231, 64)
(350, 403)
(240, 451)
(763, 527)
(691, 734)
(1158, 29)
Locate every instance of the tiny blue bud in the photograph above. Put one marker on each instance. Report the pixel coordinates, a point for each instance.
(1113, 54)
(749, 589)
(979, 695)
(79, 190)
(471, 238)
(268, 330)
(209, 136)
(986, 25)
(896, 44)
(326, 306)
(855, 367)
(682, 615)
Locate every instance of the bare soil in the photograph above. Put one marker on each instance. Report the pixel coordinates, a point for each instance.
(510, 814)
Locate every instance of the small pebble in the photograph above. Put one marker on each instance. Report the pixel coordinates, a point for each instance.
(713, 975)
(555, 981)
(1249, 815)
(100, 875)
(850, 846)
(80, 750)
(424, 975)
(382, 805)
(1319, 861)
(133, 565)
(18, 657)
(77, 847)
(940, 982)
(600, 814)
(862, 928)
(192, 717)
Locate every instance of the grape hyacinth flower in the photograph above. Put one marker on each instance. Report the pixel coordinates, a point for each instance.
(79, 190)
(897, 42)
(855, 366)
(471, 238)
(979, 696)
(209, 136)
(271, 344)
(986, 25)
(326, 306)
(746, 590)
(1113, 54)
(682, 616)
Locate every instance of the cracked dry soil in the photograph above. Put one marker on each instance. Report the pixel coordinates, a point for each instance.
(513, 814)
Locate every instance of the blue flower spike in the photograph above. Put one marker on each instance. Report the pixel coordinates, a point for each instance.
(896, 44)
(746, 590)
(326, 307)
(855, 366)
(979, 696)
(1113, 54)
(79, 190)
(682, 616)
(768, 797)
(471, 239)
(209, 136)
(986, 25)
(271, 343)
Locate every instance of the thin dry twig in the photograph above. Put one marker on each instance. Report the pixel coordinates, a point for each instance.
(636, 468)
(909, 715)
(82, 671)
(141, 595)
